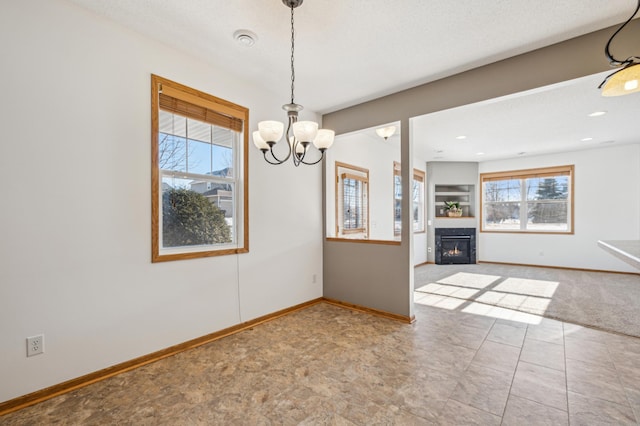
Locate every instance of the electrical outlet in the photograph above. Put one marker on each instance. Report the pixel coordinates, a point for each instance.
(35, 345)
(429, 250)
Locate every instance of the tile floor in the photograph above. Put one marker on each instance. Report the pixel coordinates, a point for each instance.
(326, 365)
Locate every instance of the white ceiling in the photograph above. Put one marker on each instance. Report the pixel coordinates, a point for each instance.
(546, 120)
(351, 51)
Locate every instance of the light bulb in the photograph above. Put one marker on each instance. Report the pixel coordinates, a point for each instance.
(631, 84)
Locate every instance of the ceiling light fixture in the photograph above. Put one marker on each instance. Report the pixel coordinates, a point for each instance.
(386, 132)
(461, 137)
(597, 113)
(299, 134)
(625, 80)
(586, 139)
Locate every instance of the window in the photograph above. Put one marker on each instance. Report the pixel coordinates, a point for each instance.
(352, 201)
(418, 201)
(199, 174)
(417, 197)
(397, 199)
(536, 200)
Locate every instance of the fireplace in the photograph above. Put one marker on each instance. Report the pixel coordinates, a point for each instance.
(455, 245)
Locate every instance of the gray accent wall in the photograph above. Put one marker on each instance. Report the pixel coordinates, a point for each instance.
(381, 277)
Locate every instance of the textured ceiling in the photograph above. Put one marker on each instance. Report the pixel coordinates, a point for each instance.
(351, 51)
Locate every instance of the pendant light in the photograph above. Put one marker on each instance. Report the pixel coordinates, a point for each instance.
(300, 135)
(627, 79)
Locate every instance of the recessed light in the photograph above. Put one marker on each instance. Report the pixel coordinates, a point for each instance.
(586, 139)
(522, 153)
(245, 38)
(479, 153)
(461, 137)
(597, 113)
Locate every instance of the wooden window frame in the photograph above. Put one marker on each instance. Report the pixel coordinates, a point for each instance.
(566, 170)
(339, 221)
(193, 103)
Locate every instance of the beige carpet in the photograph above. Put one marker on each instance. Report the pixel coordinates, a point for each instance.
(606, 301)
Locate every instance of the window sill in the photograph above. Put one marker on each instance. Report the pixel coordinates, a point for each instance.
(363, 241)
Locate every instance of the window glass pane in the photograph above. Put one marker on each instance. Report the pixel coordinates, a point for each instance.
(172, 153)
(397, 186)
(513, 192)
(222, 160)
(172, 124)
(551, 188)
(397, 211)
(502, 216)
(195, 212)
(353, 212)
(418, 205)
(532, 185)
(199, 131)
(223, 137)
(547, 215)
(417, 186)
(199, 157)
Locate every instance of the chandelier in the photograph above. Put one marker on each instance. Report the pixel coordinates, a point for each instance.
(627, 79)
(300, 134)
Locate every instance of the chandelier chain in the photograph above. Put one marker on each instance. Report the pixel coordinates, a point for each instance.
(293, 72)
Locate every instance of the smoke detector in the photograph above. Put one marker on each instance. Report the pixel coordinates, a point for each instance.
(245, 38)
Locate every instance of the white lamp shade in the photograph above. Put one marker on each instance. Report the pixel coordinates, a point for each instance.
(623, 82)
(258, 141)
(324, 139)
(386, 132)
(305, 131)
(270, 131)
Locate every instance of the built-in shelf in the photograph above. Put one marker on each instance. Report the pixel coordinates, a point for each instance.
(463, 194)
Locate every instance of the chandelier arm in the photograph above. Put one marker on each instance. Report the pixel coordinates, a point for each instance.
(277, 163)
(613, 61)
(315, 162)
(275, 157)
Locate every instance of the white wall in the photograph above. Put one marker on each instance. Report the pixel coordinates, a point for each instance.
(603, 178)
(75, 165)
